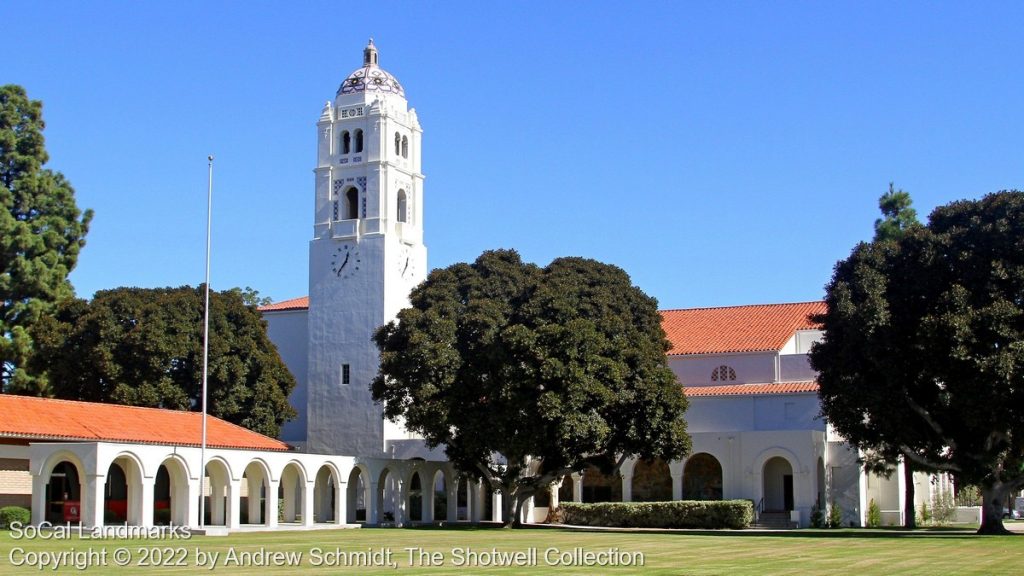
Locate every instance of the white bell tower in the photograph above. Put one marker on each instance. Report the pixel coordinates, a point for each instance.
(367, 253)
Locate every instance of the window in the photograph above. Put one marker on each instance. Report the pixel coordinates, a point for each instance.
(345, 374)
(723, 374)
(359, 141)
(403, 213)
(351, 204)
(398, 143)
(405, 147)
(346, 142)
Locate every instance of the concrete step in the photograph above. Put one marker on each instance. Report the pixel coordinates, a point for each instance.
(774, 521)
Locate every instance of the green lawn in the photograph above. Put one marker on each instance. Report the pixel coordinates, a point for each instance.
(858, 552)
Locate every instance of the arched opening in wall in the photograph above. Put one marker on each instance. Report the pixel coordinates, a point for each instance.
(601, 487)
(356, 493)
(415, 498)
(292, 493)
(820, 477)
(346, 142)
(122, 492)
(440, 497)
(388, 503)
(162, 497)
(64, 494)
(351, 203)
(702, 478)
(652, 481)
(405, 147)
(254, 507)
(778, 485)
(403, 208)
(487, 511)
(359, 141)
(565, 490)
(398, 144)
(542, 497)
(462, 500)
(325, 495)
(115, 496)
(216, 506)
(170, 494)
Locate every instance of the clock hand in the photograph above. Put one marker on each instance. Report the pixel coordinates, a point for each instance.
(342, 267)
(406, 266)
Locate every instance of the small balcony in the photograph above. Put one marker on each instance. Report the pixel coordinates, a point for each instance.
(345, 228)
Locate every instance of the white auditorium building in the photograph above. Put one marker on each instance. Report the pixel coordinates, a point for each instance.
(753, 412)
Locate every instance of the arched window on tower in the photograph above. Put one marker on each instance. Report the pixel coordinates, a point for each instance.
(403, 206)
(405, 147)
(351, 204)
(398, 143)
(346, 142)
(359, 141)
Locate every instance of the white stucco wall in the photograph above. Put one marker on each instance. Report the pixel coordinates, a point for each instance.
(695, 370)
(754, 412)
(289, 331)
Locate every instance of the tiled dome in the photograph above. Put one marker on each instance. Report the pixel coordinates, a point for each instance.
(370, 77)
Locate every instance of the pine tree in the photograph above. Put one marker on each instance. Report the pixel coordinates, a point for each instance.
(41, 233)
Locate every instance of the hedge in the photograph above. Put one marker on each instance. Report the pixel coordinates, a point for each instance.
(734, 514)
(10, 514)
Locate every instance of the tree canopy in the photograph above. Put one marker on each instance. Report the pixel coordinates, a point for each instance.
(897, 214)
(41, 233)
(143, 347)
(923, 352)
(525, 374)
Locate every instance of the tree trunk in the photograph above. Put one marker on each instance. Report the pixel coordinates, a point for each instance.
(508, 505)
(992, 498)
(909, 514)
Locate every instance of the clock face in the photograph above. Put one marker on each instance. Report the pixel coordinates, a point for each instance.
(406, 263)
(346, 261)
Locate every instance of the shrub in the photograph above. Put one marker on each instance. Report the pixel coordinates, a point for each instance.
(817, 517)
(874, 515)
(943, 508)
(835, 516)
(677, 514)
(111, 517)
(10, 514)
(926, 514)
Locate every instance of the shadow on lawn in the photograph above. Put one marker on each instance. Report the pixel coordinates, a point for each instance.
(892, 533)
(945, 533)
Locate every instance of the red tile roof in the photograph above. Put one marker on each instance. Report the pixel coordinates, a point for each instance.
(752, 389)
(49, 419)
(753, 328)
(293, 304)
(756, 328)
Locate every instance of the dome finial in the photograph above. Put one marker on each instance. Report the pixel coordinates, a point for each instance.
(370, 54)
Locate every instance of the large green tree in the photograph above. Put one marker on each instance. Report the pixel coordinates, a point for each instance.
(897, 217)
(923, 351)
(143, 347)
(41, 232)
(525, 374)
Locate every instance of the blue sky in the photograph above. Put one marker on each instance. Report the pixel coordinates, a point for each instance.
(720, 152)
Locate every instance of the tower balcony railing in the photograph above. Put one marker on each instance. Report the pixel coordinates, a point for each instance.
(345, 228)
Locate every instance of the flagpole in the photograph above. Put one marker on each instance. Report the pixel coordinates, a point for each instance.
(206, 346)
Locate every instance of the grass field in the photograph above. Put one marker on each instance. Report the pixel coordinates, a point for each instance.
(859, 552)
